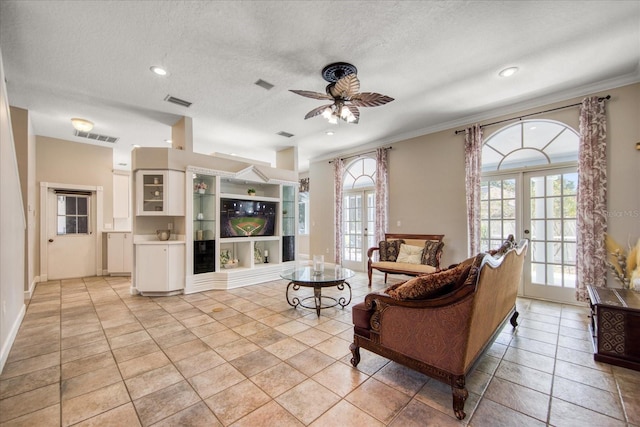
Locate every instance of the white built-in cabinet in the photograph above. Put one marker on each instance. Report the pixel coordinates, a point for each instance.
(119, 253)
(160, 267)
(159, 192)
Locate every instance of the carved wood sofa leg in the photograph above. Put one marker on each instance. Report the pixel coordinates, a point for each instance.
(459, 397)
(355, 351)
(369, 274)
(514, 318)
(385, 278)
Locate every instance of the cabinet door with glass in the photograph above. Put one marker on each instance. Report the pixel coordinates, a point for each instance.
(159, 192)
(288, 223)
(204, 223)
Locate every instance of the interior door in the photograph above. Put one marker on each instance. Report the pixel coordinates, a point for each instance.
(71, 242)
(550, 224)
(358, 218)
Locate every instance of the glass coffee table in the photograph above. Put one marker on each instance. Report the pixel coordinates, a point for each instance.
(305, 277)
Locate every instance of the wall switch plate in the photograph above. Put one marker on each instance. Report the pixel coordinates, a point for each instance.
(108, 226)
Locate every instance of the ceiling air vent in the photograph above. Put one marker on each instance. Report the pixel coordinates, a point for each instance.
(263, 84)
(285, 134)
(177, 101)
(96, 136)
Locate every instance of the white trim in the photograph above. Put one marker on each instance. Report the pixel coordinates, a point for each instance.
(32, 287)
(13, 332)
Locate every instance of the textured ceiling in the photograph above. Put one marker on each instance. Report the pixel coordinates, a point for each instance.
(439, 60)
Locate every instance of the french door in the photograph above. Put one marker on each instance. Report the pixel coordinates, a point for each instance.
(358, 222)
(541, 207)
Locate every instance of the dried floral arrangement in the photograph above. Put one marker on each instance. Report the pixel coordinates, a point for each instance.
(624, 264)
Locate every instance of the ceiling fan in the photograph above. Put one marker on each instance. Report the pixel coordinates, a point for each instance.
(343, 90)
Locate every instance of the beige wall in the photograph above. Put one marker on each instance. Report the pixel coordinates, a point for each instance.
(426, 179)
(24, 141)
(67, 162)
(12, 231)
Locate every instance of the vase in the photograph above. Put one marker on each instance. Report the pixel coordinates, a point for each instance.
(200, 190)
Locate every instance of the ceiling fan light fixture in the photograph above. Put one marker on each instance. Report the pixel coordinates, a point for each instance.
(81, 125)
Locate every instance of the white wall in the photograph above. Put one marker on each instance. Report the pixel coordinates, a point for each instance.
(426, 179)
(12, 232)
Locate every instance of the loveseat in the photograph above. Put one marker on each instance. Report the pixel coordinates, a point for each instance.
(409, 254)
(440, 324)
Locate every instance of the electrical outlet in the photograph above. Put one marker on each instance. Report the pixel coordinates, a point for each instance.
(170, 226)
(327, 250)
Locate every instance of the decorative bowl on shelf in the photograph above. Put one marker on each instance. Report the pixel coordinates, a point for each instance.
(163, 234)
(230, 264)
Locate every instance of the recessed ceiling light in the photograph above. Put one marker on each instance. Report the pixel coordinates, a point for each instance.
(168, 141)
(329, 132)
(135, 145)
(507, 72)
(158, 70)
(233, 154)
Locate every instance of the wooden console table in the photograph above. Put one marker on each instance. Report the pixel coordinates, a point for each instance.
(615, 326)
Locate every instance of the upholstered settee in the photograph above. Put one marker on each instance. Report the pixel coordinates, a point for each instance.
(441, 330)
(409, 254)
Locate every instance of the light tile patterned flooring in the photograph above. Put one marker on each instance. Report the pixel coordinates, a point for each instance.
(90, 354)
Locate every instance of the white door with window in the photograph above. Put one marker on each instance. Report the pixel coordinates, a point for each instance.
(71, 242)
(358, 216)
(358, 212)
(528, 189)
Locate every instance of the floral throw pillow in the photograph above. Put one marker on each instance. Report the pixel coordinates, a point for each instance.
(430, 252)
(389, 249)
(427, 285)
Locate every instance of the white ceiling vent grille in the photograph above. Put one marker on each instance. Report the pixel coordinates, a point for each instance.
(177, 101)
(96, 136)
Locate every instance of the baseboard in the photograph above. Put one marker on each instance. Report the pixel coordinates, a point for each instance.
(32, 287)
(13, 332)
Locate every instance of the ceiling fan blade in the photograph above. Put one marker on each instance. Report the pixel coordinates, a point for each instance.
(346, 87)
(317, 111)
(310, 94)
(356, 113)
(370, 99)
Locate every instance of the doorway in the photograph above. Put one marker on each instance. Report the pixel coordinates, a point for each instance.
(358, 216)
(539, 206)
(358, 212)
(70, 242)
(529, 189)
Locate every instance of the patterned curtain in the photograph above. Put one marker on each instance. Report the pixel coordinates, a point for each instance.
(382, 196)
(472, 165)
(591, 254)
(338, 173)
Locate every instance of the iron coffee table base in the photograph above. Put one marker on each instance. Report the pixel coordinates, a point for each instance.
(320, 302)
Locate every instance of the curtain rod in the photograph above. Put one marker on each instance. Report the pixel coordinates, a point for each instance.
(602, 98)
(361, 154)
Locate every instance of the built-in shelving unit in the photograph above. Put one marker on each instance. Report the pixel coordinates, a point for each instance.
(236, 238)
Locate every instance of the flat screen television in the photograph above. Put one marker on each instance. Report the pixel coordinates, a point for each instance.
(245, 218)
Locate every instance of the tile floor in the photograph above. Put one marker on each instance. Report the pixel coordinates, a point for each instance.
(90, 354)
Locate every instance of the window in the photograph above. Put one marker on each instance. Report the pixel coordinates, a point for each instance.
(303, 213)
(73, 214)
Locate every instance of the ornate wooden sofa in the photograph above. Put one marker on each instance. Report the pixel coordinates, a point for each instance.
(387, 263)
(444, 334)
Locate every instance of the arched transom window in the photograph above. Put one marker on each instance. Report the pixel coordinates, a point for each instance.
(529, 143)
(360, 174)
